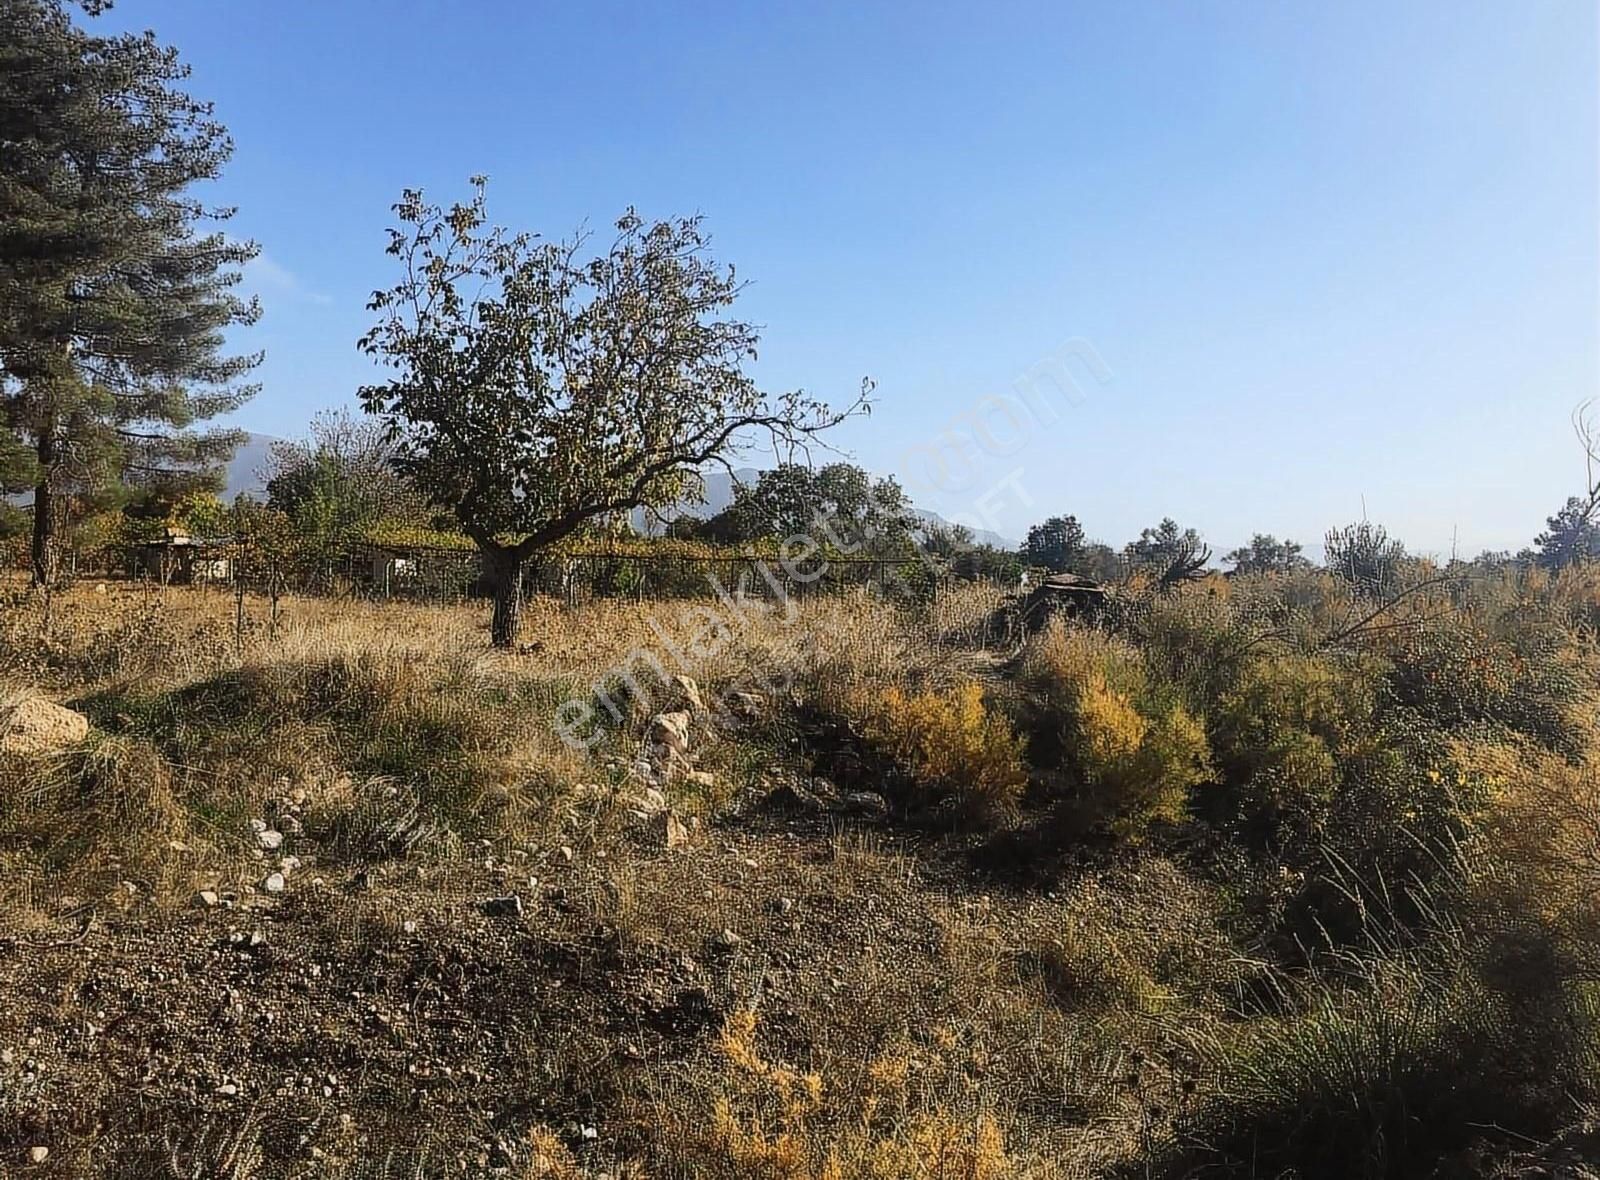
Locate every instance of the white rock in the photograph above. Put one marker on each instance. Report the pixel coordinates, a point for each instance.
(671, 730)
(274, 883)
(39, 1153)
(34, 725)
(688, 693)
(269, 838)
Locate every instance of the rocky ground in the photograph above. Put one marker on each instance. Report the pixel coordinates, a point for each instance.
(413, 1019)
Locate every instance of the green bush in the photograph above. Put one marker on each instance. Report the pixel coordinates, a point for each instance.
(1527, 676)
(1131, 754)
(1278, 733)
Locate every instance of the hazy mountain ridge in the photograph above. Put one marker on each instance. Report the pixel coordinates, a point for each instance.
(246, 473)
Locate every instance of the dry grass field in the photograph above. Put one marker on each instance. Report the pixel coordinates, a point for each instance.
(327, 894)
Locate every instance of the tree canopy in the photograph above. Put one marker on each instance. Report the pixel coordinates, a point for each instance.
(1366, 556)
(114, 302)
(538, 385)
(837, 503)
(1266, 555)
(340, 483)
(1056, 544)
(1171, 553)
(1570, 536)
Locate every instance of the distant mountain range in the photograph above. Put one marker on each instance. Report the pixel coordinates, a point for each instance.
(246, 472)
(245, 476)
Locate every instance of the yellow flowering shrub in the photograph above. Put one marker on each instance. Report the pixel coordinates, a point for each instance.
(950, 742)
(1135, 757)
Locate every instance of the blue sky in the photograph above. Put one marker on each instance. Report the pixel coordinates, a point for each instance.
(1337, 257)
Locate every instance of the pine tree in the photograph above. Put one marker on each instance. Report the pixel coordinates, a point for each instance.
(1055, 544)
(116, 286)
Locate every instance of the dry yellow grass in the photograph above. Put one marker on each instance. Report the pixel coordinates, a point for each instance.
(788, 995)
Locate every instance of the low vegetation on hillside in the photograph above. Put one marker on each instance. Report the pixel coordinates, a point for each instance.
(1273, 874)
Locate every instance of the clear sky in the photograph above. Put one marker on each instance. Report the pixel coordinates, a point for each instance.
(1333, 254)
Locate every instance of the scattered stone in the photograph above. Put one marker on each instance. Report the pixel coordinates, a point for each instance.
(651, 800)
(793, 797)
(207, 897)
(270, 839)
(672, 731)
(274, 883)
(289, 864)
(503, 907)
(785, 905)
(668, 829)
(258, 825)
(565, 852)
(688, 693)
(701, 778)
(39, 1153)
(228, 1090)
(865, 801)
(727, 940)
(34, 725)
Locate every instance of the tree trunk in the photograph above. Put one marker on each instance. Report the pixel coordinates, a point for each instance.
(44, 496)
(504, 570)
(44, 530)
